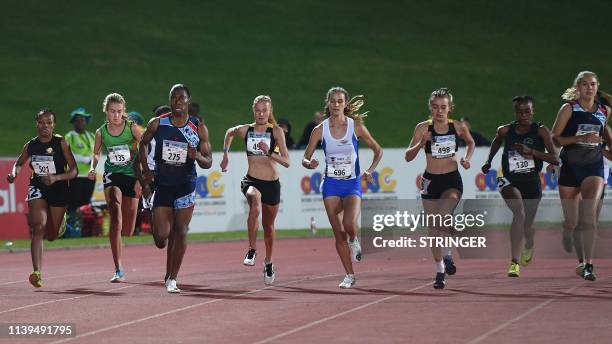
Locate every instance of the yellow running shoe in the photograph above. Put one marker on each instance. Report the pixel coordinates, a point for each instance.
(526, 256)
(35, 279)
(580, 269)
(514, 270)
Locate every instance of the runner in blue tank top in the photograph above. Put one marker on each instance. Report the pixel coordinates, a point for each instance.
(341, 187)
(181, 140)
(579, 129)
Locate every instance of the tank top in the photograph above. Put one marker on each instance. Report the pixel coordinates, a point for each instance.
(516, 166)
(46, 158)
(341, 156)
(252, 139)
(442, 145)
(120, 150)
(172, 165)
(583, 122)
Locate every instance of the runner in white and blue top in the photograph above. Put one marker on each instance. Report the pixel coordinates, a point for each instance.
(341, 187)
(182, 141)
(579, 128)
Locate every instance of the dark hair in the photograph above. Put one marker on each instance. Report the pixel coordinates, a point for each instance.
(178, 87)
(604, 98)
(285, 121)
(159, 110)
(522, 100)
(194, 109)
(44, 111)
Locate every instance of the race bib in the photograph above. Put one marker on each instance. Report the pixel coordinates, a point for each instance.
(584, 129)
(518, 163)
(174, 153)
(339, 166)
(253, 140)
(443, 146)
(43, 165)
(119, 155)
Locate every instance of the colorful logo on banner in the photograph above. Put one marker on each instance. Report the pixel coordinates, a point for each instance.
(489, 181)
(210, 186)
(383, 182)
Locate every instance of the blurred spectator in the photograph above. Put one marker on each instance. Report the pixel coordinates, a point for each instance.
(316, 120)
(137, 118)
(286, 126)
(81, 189)
(479, 139)
(194, 110)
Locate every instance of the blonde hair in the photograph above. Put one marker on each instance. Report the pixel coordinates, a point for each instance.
(352, 106)
(112, 98)
(442, 93)
(267, 99)
(572, 93)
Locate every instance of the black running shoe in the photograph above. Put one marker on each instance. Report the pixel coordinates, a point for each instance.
(439, 283)
(568, 241)
(249, 258)
(588, 274)
(449, 265)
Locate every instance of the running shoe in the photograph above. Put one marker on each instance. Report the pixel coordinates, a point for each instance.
(589, 275)
(269, 273)
(449, 265)
(119, 276)
(568, 241)
(35, 279)
(515, 270)
(580, 270)
(526, 256)
(171, 287)
(355, 247)
(439, 283)
(249, 258)
(348, 281)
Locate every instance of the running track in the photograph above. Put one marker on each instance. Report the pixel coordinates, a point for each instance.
(223, 301)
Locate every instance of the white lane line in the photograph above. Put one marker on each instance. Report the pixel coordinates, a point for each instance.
(67, 299)
(521, 316)
(158, 315)
(337, 315)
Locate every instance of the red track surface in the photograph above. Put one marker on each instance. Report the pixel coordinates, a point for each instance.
(224, 301)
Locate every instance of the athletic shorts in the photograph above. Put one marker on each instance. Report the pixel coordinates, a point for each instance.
(123, 182)
(573, 176)
(342, 188)
(269, 189)
(434, 185)
(56, 194)
(178, 196)
(529, 189)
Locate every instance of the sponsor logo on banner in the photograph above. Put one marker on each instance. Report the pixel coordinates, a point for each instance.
(383, 182)
(210, 186)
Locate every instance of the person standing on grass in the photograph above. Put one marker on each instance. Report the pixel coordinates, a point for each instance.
(119, 137)
(524, 142)
(81, 142)
(181, 141)
(441, 184)
(579, 129)
(341, 187)
(265, 147)
(52, 165)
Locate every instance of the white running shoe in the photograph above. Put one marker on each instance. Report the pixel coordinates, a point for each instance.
(269, 273)
(249, 258)
(119, 276)
(355, 247)
(348, 281)
(171, 287)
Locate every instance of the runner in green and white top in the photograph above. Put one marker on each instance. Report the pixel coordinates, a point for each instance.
(120, 138)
